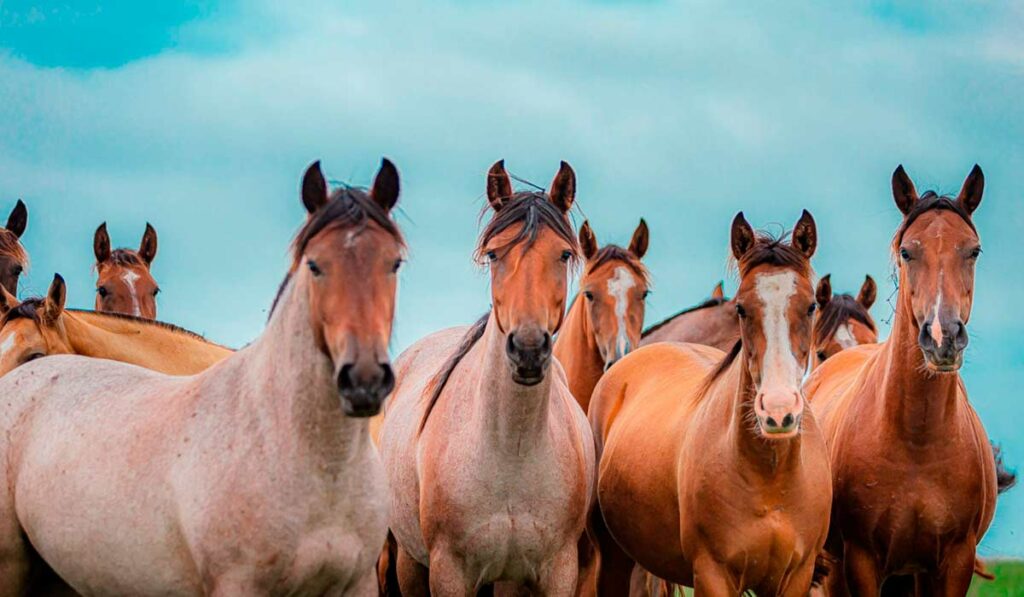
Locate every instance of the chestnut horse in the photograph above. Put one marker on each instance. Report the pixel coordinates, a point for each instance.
(843, 321)
(124, 283)
(711, 323)
(13, 258)
(915, 495)
(39, 327)
(490, 458)
(254, 477)
(711, 472)
(604, 326)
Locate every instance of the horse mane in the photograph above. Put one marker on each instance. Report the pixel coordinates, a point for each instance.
(711, 302)
(28, 309)
(125, 258)
(11, 247)
(616, 253)
(534, 210)
(926, 203)
(440, 379)
(837, 311)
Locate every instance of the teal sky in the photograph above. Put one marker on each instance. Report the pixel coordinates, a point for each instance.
(200, 117)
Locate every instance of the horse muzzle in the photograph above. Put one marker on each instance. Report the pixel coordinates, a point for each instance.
(363, 387)
(942, 344)
(529, 355)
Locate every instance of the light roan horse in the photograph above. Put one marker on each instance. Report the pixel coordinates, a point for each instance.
(13, 258)
(711, 472)
(490, 458)
(124, 283)
(39, 327)
(605, 324)
(843, 321)
(915, 494)
(254, 477)
(711, 323)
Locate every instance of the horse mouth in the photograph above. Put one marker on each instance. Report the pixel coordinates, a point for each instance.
(359, 409)
(942, 366)
(527, 377)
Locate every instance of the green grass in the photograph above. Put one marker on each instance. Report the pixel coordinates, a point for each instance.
(1009, 580)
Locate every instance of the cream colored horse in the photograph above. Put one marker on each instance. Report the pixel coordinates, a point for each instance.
(254, 477)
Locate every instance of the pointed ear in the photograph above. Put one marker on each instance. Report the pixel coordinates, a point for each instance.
(588, 242)
(742, 236)
(805, 234)
(563, 188)
(18, 219)
(970, 193)
(499, 185)
(718, 292)
(641, 237)
(7, 301)
(314, 188)
(823, 293)
(101, 243)
(385, 186)
(53, 305)
(147, 248)
(903, 190)
(868, 292)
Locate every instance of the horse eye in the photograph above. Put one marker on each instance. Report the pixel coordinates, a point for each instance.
(17, 269)
(34, 356)
(491, 255)
(102, 291)
(588, 295)
(811, 309)
(647, 293)
(397, 264)
(741, 311)
(313, 267)
(905, 255)
(821, 355)
(566, 255)
(156, 291)
(975, 253)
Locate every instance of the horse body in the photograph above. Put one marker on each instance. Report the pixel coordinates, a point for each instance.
(711, 323)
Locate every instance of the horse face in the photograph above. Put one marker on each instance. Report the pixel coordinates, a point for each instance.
(937, 255)
(13, 259)
(839, 325)
(351, 273)
(124, 283)
(849, 334)
(32, 329)
(776, 305)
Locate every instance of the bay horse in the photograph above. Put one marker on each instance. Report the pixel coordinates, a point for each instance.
(711, 471)
(843, 321)
(13, 258)
(256, 476)
(605, 325)
(124, 282)
(915, 495)
(489, 457)
(711, 323)
(38, 327)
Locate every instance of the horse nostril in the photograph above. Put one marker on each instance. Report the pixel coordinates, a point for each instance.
(345, 377)
(387, 382)
(787, 421)
(770, 422)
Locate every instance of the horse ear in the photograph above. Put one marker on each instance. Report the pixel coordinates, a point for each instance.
(742, 236)
(805, 234)
(499, 185)
(314, 188)
(101, 243)
(7, 301)
(823, 293)
(385, 185)
(641, 238)
(718, 292)
(868, 292)
(18, 219)
(903, 190)
(147, 248)
(53, 306)
(970, 193)
(563, 188)
(588, 242)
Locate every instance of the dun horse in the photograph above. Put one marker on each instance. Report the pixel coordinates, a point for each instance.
(254, 477)
(489, 457)
(39, 327)
(605, 325)
(843, 321)
(13, 258)
(711, 323)
(915, 495)
(125, 284)
(711, 471)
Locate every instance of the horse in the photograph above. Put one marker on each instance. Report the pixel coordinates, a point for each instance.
(843, 321)
(711, 471)
(913, 497)
(13, 258)
(489, 457)
(256, 476)
(38, 327)
(124, 282)
(604, 326)
(711, 323)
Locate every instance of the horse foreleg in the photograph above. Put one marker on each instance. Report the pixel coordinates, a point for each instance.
(448, 576)
(953, 579)
(615, 568)
(560, 576)
(15, 557)
(413, 577)
(861, 570)
(711, 580)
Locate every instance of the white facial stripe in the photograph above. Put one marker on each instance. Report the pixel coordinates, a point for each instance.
(130, 278)
(844, 336)
(780, 368)
(8, 343)
(936, 328)
(618, 288)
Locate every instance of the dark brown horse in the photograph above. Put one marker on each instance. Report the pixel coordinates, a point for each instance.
(13, 258)
(843, 321)
(711, 323)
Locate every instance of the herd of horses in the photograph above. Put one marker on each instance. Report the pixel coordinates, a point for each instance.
(765, 442)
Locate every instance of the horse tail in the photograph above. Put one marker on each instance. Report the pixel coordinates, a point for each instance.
(822, 568)
(1005, 478)
(387, 569)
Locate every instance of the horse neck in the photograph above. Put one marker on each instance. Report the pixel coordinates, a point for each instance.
(290, 386)
(577, 351)
(915, 402)
(511, 417)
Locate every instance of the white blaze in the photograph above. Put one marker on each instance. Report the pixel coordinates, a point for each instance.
(8, 343)
(780, 369)
(618, 288)
(936, 327)
(130, 278)
(844, 336)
